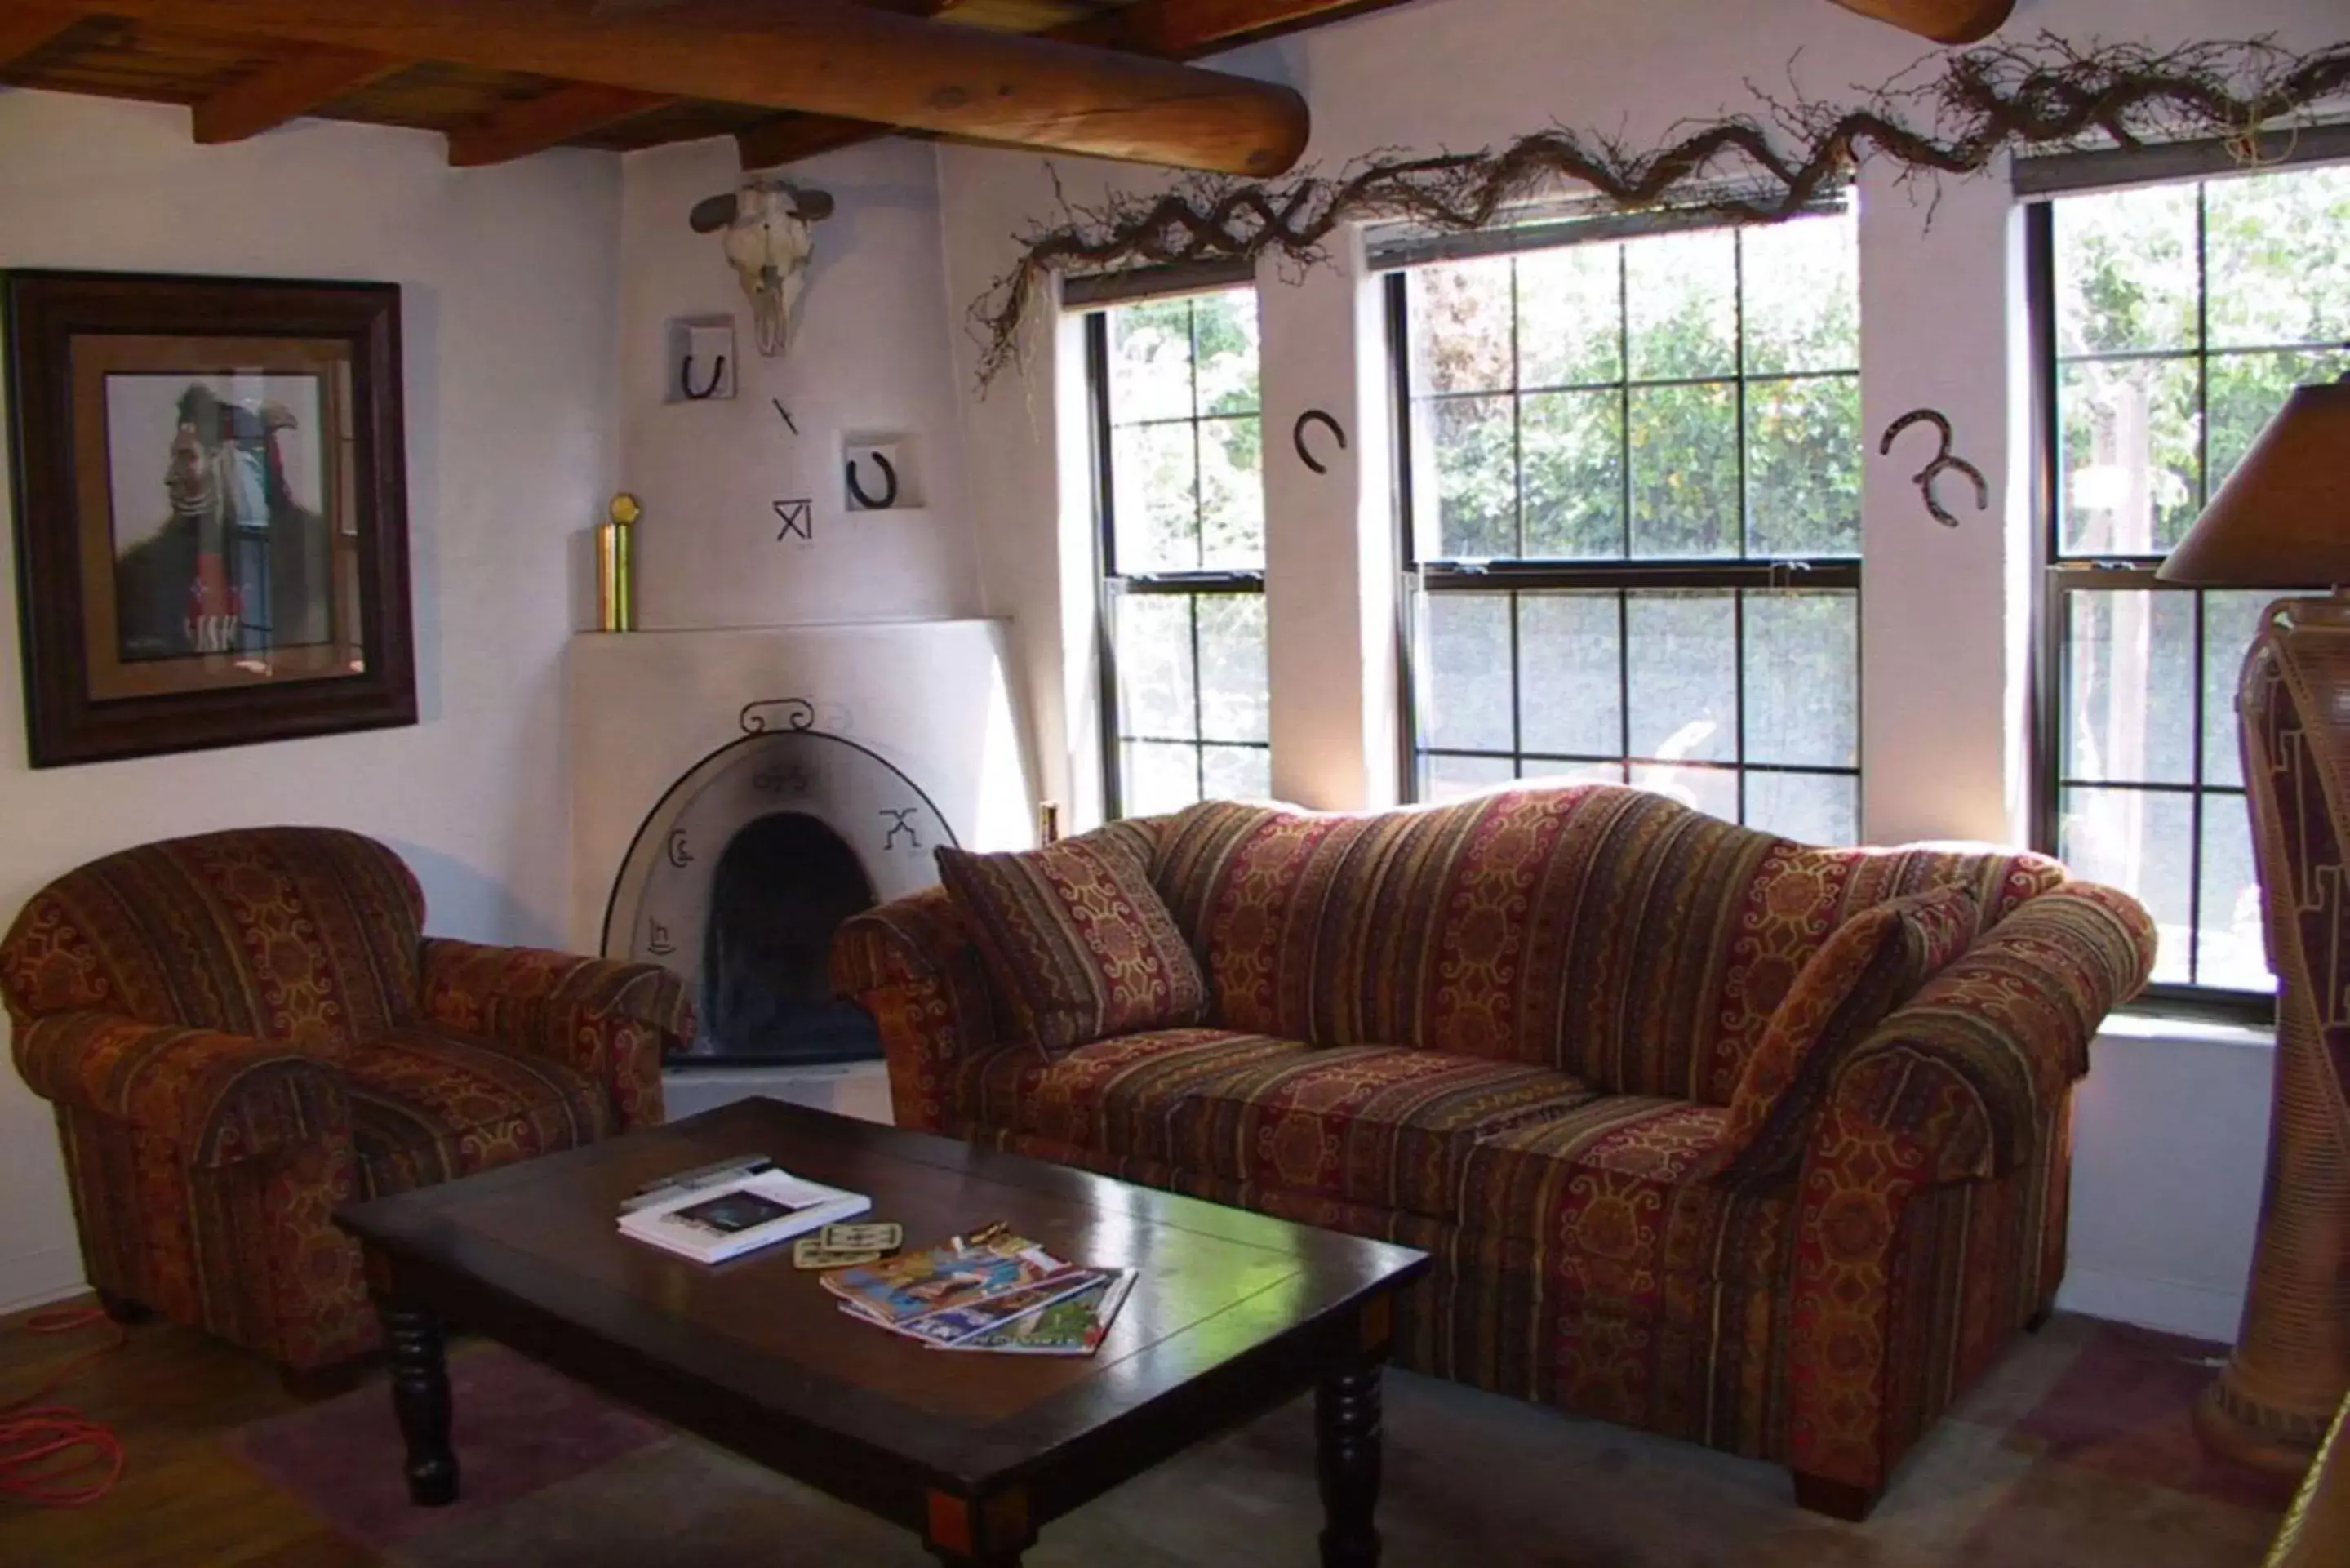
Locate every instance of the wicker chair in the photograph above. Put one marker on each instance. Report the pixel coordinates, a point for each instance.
(241, 1030)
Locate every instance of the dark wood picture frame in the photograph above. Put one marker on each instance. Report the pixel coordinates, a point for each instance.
(93, 691)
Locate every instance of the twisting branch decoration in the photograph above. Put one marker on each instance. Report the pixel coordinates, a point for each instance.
(1950, 114)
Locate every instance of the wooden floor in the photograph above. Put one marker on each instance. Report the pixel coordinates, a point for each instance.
(170, 1394)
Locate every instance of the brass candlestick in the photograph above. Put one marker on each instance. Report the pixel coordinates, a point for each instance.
(616, 595)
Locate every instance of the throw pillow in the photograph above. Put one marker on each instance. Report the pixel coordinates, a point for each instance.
(1077, 940)
(1869, 965)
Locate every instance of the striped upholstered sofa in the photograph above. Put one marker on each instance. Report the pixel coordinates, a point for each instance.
(241, 1030)
(1687, 1157)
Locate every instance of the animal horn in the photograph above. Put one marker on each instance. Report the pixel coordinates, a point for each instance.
(810, 206)
(714, 213)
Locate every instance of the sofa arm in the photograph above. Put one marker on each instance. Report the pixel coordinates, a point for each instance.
(913, 965)
(609, 1021)
(217, 1098)
(1966, 1069)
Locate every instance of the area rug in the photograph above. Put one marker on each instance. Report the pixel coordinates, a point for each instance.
(2076, 1452)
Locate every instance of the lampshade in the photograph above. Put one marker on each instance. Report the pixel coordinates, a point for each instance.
(2282, 520)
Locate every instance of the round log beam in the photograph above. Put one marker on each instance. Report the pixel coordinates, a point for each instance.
(828, 57)
(1944, 21)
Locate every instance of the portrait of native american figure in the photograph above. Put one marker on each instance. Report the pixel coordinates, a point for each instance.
(234, 555)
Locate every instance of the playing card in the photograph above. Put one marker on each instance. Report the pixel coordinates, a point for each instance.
(810, 1252)
(879, 1236)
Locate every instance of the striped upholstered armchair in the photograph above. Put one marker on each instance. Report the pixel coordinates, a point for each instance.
(240, 1031)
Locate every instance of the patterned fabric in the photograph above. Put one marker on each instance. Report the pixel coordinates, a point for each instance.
(1536, 1035)
(301, 934)
(238, 1033)
(913, 965)
(605, 1021)
(1075, 937)
(1875, 962)
(1383, 1129)
(1967, 1066)
(219, 1098)
(1608, 933)
(428, 1108)
(1113, 1094)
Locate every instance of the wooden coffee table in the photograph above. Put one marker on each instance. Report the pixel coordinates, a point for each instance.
(1232, 1314)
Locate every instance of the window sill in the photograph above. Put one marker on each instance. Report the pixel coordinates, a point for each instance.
(2152, 1025)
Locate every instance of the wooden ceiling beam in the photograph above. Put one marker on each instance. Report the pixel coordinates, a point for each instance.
(299, 83)
(537, 124)
(1943, 21)
(827, 57)
(24, 29)
(1164, 29)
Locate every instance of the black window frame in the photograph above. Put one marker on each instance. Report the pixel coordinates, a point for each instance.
(1111, 585)
(2057, 575)
(1519, 576)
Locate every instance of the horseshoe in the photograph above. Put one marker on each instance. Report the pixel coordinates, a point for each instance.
(1297, 437)
(1943, 460)
(888, 497)
(685, 380)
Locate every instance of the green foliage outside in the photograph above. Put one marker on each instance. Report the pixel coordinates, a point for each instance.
(2186, 315)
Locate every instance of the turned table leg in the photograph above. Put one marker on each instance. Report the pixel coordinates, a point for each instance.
(1346, 1434)
(414, 1345)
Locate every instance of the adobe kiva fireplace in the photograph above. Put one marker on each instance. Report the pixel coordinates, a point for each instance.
(726, 831)
(746, 866)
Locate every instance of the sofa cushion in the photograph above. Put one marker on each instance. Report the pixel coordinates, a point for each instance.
(1374, 1126)
(1874, 962)
(1596, 1270)
(1076, 939)
(1619, 1183)
(428, 1106)
(1111, 1095)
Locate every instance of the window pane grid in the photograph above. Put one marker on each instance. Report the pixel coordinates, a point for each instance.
(1178, 438)
(2176, 320)
(1618, 458)
(1656, 686)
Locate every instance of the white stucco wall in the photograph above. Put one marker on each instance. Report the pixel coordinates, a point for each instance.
(869, 354)
(509, 274)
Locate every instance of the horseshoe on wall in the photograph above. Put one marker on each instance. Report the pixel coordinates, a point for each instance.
(1943, 460)
(1297, 437)
(685, 380)
(888, 497)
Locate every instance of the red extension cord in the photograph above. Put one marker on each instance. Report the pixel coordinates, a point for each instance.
(50, 1455)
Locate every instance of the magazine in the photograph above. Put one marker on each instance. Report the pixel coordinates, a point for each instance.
(951, 1326)
(1073, 1325)
(964, 1271)
(712, 1223)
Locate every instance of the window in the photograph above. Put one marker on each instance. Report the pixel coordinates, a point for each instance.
(1180, 497)
(2172, 320)
(1632, 491)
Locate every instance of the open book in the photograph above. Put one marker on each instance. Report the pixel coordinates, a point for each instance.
(725, 1218)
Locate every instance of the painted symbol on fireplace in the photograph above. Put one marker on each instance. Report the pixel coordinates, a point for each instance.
(657, 940)
(792, 424)
(793, 781)
(901, 821)
(798, 519)
(678, 854)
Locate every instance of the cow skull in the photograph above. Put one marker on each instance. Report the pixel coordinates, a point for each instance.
(765, 226)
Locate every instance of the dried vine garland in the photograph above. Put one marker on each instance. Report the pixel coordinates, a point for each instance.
(2047, 93)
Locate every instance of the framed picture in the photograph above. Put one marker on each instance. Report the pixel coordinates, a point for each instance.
(211, 526)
